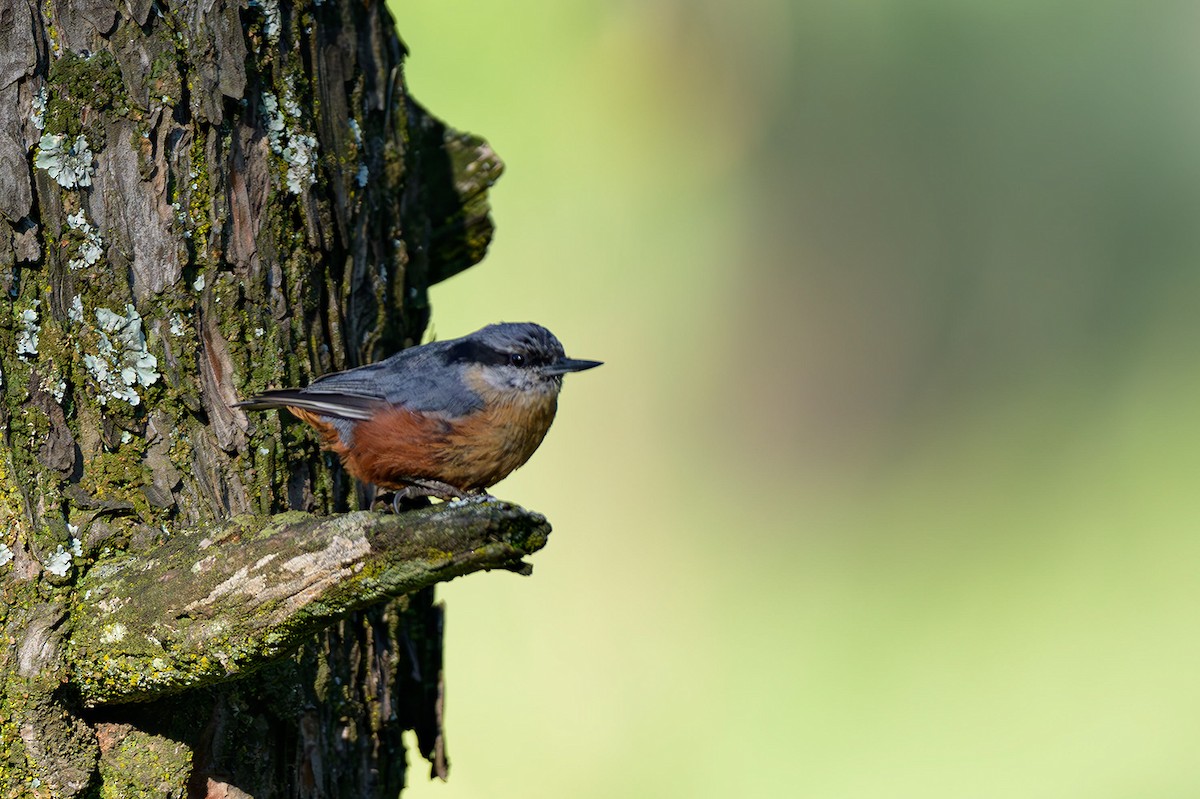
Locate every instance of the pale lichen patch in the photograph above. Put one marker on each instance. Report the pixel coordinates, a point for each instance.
(28, 334)
(60, 562)
(111, 604)
(289, 141)
(92, 246)
(113, 633)
(204, 564)
(69, 163)
(120, 366)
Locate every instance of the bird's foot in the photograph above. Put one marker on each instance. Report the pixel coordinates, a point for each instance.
(417, 489)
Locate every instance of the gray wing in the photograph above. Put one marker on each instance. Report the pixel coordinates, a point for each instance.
(418, 379)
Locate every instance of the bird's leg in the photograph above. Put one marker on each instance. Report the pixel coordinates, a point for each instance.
(425, 488)
(436, 488)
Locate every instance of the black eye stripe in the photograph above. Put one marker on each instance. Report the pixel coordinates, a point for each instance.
(522, 354)
(474, 352)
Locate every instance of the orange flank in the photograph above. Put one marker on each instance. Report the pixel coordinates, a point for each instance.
(397, 446)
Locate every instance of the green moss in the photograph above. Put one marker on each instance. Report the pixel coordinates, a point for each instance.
(198, 192)
(119, 476)
(165, 84)
(83, 82)
(121, 674)
(143, 764)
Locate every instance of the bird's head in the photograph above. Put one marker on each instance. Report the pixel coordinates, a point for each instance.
(521, 357)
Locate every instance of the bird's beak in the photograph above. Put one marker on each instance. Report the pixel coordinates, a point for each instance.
(564, 365)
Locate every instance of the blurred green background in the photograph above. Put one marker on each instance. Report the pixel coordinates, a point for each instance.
(887, 488)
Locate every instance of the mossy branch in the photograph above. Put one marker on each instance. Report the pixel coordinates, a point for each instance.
(206, 607)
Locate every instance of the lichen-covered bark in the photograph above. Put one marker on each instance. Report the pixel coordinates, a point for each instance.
(210, 604)
(199, 200)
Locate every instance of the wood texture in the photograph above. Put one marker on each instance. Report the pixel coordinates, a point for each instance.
(206, 607)
(200, 200)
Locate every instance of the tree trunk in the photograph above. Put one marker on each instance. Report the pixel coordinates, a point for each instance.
(197, 202)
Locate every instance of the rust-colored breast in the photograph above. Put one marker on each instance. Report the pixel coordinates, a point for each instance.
(397, 446)
(486, 447)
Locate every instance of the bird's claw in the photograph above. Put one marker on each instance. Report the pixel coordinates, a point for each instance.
(425, 488)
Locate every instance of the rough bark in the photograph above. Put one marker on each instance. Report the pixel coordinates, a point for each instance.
(200, 200)
(205, 607)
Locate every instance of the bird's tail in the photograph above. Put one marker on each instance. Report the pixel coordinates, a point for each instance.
(335, 404)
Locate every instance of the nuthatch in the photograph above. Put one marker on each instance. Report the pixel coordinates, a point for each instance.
(444, 419)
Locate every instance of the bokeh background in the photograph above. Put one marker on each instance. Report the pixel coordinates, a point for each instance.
(889, 485)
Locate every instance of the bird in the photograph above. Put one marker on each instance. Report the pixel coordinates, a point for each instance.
(448, 419)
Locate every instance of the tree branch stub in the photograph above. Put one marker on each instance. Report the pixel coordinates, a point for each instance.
(204, 608)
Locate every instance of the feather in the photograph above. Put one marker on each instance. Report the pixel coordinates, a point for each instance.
(334, 404)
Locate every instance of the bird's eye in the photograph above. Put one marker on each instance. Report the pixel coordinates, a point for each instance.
(516, 359)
